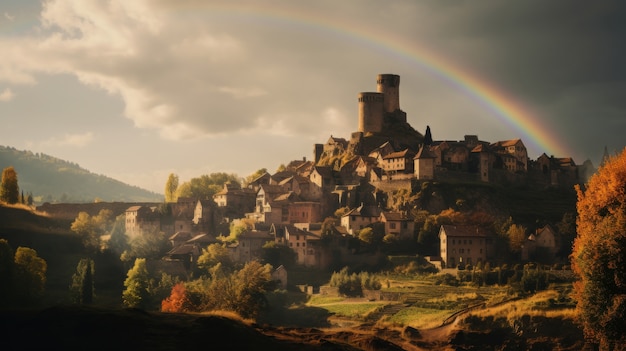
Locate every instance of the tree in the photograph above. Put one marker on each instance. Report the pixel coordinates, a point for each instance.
(170, 188)
(599, 254)
(214, 253)
(9, 190)
(91, 228)
(177, 301)
(137, 283)
(30, 277)
(82, 287)
(517, 237)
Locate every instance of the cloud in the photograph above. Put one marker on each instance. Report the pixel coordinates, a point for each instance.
(191, 69)
(6, 95)
(74, 140)
(9, 17)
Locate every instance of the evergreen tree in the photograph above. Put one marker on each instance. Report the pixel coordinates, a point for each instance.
(428, 138)
(9, 190)
(82, 287)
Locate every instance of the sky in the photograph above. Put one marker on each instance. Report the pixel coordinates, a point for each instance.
(137, 90)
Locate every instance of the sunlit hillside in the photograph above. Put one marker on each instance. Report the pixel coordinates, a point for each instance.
(50, 179)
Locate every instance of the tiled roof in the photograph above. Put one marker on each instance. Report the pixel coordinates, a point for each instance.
(181, 236)
(424, 152)
(395, 216)
(406, 153)
(464, 231)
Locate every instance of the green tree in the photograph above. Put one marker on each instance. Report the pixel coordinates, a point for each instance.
(171, 186)
(259, 172)
(214, 253)
(82, 289)
(599, 254)
(148, 245)
(9, 190)
(30, 275)
(205, 186)
(137, 286)
(91, 228)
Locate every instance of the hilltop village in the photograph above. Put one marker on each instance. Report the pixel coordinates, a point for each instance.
(356, 175)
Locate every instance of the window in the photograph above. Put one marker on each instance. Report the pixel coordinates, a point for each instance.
(392, 225)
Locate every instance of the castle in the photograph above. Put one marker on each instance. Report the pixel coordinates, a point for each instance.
(386, 147)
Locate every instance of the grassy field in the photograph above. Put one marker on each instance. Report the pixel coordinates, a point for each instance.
(422, 304)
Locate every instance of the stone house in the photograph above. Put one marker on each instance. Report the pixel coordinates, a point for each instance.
(250, 245)
(305, 212)
(360, 217)
(322, 180)
(463, 245)
(141, 219)
(541, 245)
(234, 200)
(424, 164)
(398, 162)
(398, 223)
(514, 148)
(302, 242)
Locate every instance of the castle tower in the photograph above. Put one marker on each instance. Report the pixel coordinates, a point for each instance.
(389, 85)
(371, 110)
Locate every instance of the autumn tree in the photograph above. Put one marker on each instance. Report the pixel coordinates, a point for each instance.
(517, 237)
(30, 276)
(9, 190)
(178, 301)
(599, 255)
(170, 188)
(82, 288)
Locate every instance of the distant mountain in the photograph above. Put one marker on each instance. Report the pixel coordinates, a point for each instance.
(50, 179)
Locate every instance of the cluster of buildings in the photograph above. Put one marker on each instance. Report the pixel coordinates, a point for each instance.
(288, 207)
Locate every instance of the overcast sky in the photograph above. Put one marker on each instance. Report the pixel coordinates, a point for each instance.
(136, 90)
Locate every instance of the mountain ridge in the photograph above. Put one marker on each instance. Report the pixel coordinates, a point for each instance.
(50, 179)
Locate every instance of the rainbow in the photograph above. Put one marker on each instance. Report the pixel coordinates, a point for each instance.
(492, 98)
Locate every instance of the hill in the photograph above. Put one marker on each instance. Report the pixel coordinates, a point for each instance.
(50, 179)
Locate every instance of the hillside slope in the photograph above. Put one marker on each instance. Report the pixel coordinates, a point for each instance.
(50, 179)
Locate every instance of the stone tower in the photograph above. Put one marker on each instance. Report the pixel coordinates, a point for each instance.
(371, 111)
(389, 86)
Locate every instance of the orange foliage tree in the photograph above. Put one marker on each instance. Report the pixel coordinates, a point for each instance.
(177, 301)
(599, 255)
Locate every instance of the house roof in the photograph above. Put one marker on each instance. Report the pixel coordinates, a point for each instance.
(424, 152)
(364, 211)
(133, 208)
(202, 238)
(185, 249)
(463, 231)
(395, 216)
(182, 236)
(406, 153)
